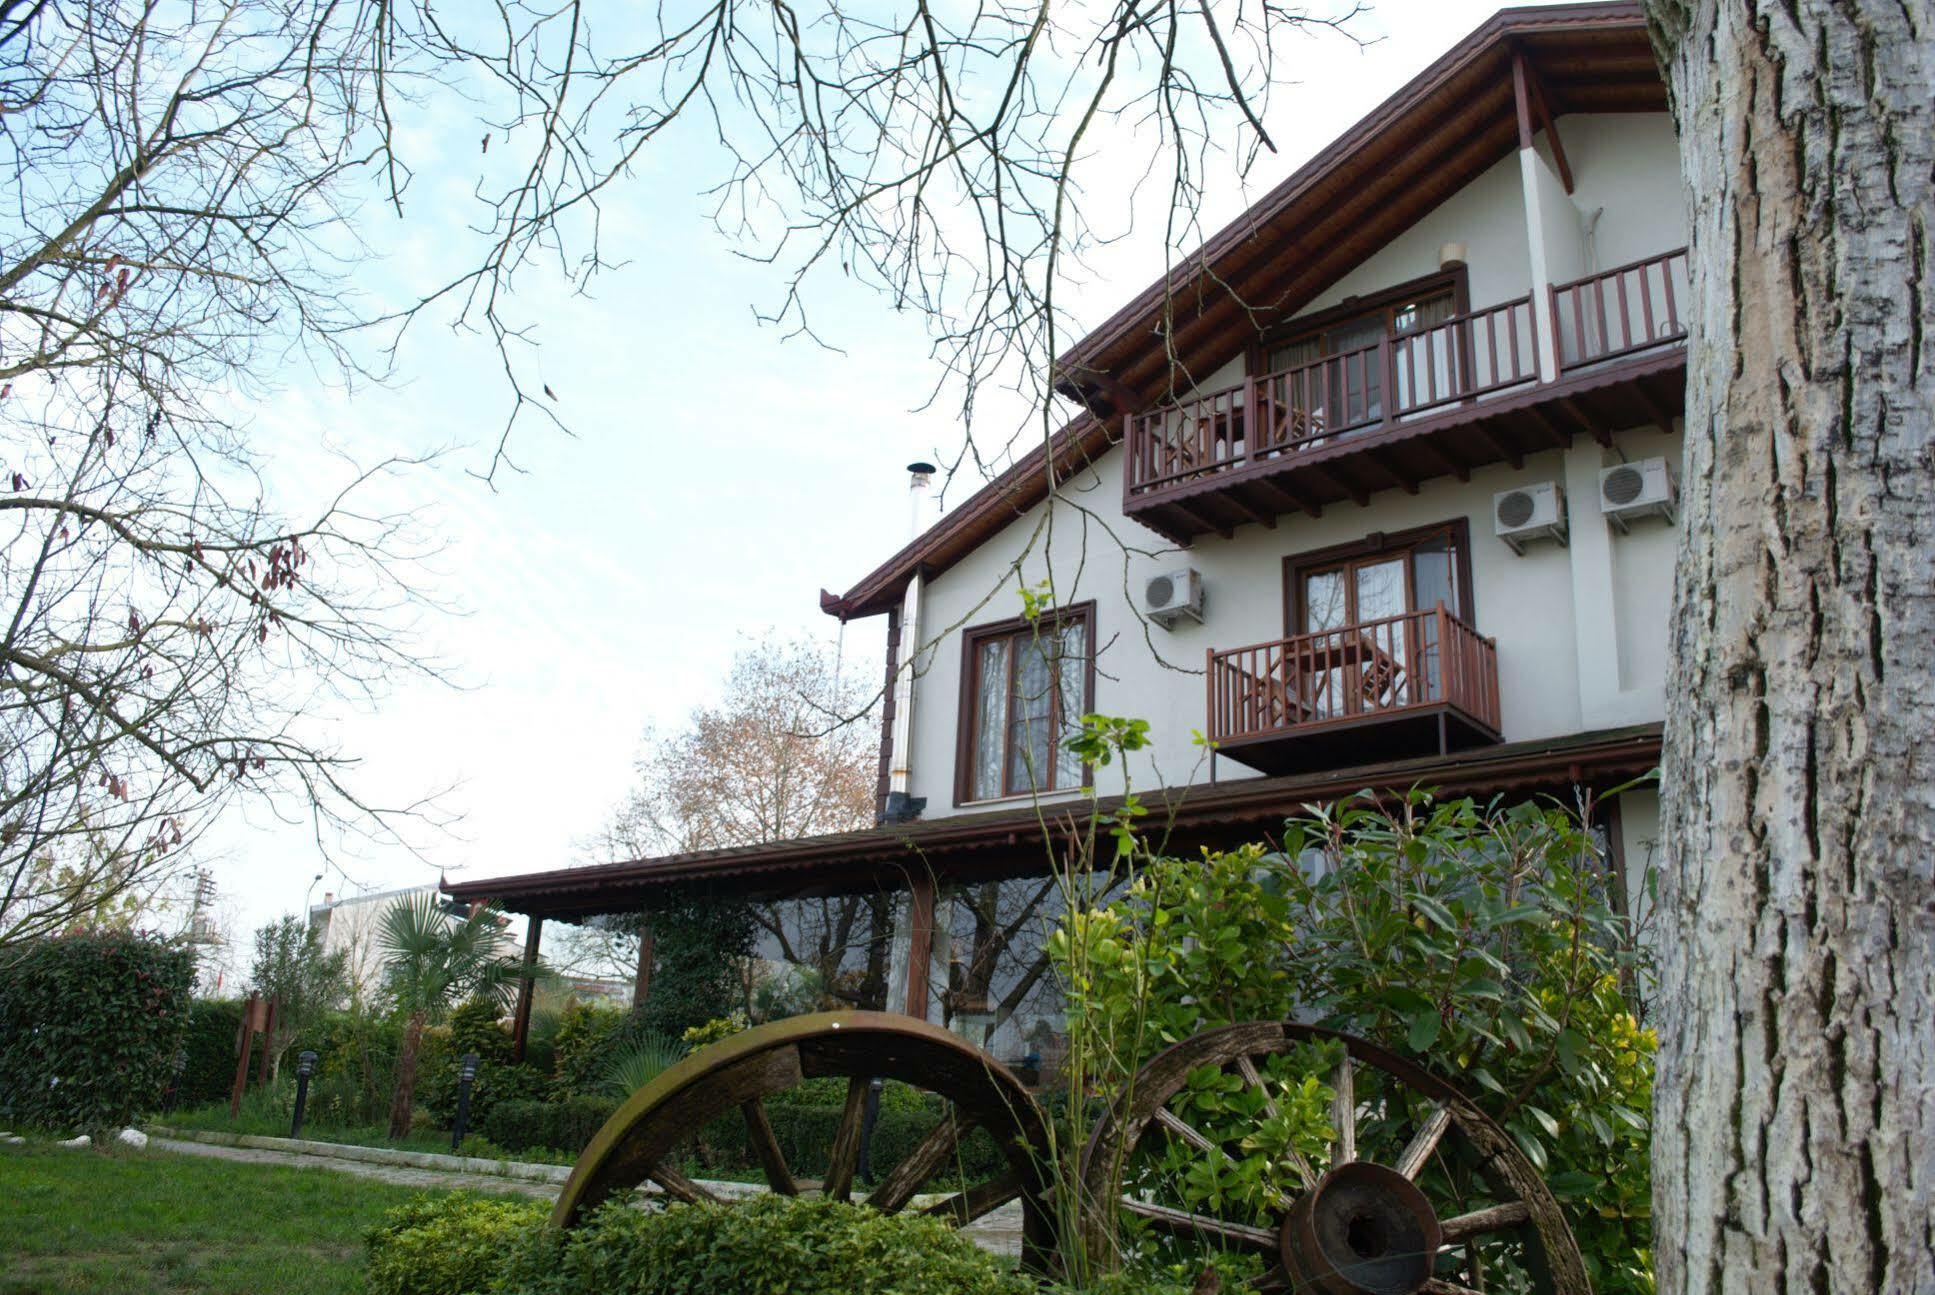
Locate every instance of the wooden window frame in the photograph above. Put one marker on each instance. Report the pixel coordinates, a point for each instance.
(1298, 565)
(967, 722)
(1457, 280)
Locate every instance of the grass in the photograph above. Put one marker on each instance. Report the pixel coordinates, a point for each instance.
(134, 1223)
(264, 1118)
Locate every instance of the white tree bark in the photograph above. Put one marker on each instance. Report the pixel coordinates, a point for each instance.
(1795, 1116)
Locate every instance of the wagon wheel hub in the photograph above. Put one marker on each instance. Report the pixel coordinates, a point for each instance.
(1362, 1230)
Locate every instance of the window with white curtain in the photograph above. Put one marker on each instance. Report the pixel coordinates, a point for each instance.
(1029, 684)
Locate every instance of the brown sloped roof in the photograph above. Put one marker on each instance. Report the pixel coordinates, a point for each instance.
(1007, 842)
(1433, 137)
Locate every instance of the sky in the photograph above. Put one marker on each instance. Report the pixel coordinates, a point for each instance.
(718, 474)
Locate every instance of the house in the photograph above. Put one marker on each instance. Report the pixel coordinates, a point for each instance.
(353, 926)
(1374, 491)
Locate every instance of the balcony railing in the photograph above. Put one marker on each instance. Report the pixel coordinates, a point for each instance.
(1619, 311)
(1278, 415)
(1399, 666)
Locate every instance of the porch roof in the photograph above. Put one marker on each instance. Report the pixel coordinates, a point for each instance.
(1015, 841)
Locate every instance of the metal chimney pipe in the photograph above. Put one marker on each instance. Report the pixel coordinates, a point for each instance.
(900, 806)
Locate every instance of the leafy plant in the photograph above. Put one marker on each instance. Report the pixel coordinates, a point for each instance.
(91, 1027)
(291, 967)
(1477, 940)
(432, 960)
(641, 1060)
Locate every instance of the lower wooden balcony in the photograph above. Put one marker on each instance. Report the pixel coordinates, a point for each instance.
(1438, 401)
(1417, 684)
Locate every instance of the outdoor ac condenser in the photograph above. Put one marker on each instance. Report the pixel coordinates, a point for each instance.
(1529, 513)
(1633, 490)
(1172, 596)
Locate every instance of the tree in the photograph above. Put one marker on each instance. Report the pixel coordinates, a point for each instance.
(776, 758)
(291, 967)
(1794, 1126)
(192, 192)
(433, 961)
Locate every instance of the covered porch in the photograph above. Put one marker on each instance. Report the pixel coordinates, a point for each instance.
(953, 913)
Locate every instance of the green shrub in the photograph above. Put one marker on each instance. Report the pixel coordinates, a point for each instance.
(561, 1124)
(1477, 941)
(207, 1052)
(450, 1245)
(772, 1245)
(91, 1028)
(355, 1068)
(587, 1038)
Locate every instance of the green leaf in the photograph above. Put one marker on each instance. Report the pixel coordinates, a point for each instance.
(1424, 1030)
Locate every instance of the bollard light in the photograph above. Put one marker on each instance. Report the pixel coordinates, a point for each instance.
(305, 1067)
(466, 1076)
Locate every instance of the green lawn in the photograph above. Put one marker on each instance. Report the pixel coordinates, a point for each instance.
(130, 1223)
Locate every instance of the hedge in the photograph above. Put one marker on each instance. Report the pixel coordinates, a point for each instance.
(804, 1133)
(771, 1245)
(468, 1246)
(91, 1028)
(207, 1071)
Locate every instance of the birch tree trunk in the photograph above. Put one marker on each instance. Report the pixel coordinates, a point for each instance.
(1795, 1117)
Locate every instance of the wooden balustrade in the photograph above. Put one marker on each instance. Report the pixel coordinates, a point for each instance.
(1273, 414)
(1604, 316)
(1414, 662)
(1619, 311)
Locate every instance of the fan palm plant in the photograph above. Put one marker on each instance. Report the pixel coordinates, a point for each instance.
(433, 960)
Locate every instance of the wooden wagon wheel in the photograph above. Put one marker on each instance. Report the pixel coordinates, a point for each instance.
(1377, 1213)
(643, 1139)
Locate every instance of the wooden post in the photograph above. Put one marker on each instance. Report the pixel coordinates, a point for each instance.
(269, 1023)
(521, 1022)
(642, 983)
(920, 945)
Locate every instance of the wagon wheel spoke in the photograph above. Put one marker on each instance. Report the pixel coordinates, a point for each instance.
(1247, 1068)
(845, 1155)
(765, 1145)
(681, 1188)
(1417, 1152)
(1343, 1112)
(920, 1164)
(983, 1198)
(1490, 1219)
(1182, 1223)
(1172, 1123)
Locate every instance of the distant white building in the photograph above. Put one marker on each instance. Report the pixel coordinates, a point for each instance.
(353, 925)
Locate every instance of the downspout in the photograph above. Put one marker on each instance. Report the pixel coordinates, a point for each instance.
(902, 807)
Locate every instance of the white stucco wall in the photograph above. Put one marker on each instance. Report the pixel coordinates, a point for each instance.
(1526, 603)
(1581, 630)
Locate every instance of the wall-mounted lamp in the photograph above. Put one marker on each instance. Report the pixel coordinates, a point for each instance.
(1451, 256)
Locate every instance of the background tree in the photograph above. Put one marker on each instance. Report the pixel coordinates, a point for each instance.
(771, 760)
(291, 967)
(1794, 1127)
(432, 961)
(192, 189)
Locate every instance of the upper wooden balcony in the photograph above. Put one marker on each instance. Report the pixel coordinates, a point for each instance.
(1407, 685)
(1438, 401)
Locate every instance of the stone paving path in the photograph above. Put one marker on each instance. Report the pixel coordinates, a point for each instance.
(999, 1232)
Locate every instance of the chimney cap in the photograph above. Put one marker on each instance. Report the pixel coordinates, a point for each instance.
(922, 468)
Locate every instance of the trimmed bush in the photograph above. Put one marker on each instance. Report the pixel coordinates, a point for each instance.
(207, 1052)
(772, 1245)
(450, 1245)
(91, 1028)
(519, 1124)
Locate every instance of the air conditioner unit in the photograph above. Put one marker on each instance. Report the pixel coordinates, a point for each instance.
(1631, 490)
(1173, 595)
(1529, 513)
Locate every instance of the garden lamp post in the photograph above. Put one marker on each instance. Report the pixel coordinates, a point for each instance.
(466, 1076)
(305, 1067)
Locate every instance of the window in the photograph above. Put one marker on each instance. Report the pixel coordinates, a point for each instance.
(1336, 593)
(1024, 687)
(1349, 392)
